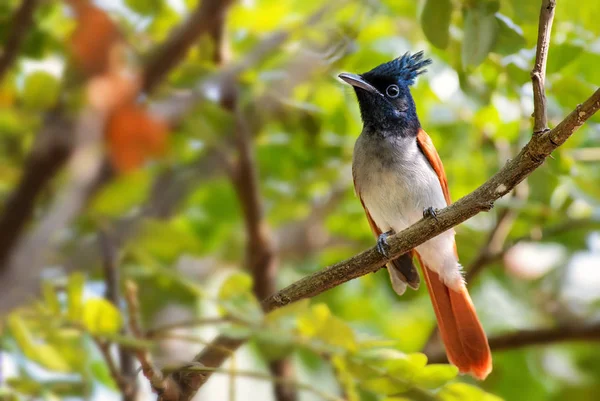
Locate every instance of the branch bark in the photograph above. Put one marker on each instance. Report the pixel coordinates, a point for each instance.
(50, 152)
(516, 170)
(21, 22)
(125, 376)
(538, 74)
(205, 18)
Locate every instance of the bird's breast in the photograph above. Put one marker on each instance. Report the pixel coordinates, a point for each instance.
(394, 180)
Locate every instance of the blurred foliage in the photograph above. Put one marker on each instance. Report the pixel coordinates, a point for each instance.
(475, 103)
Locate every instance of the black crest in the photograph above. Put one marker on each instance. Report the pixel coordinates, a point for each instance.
(405, 68)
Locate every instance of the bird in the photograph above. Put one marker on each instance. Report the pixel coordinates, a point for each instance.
(399, 178)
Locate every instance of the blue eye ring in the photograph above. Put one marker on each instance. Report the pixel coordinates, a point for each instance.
(392, 91)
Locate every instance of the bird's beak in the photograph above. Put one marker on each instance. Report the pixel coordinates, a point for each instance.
(358, 82)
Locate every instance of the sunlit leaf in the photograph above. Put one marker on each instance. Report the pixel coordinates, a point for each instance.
(385, 385)
(40, 91)
(123, 193)
(435, 375)
(465, 392)
(101, 317)
(75, 296)
(51, 298)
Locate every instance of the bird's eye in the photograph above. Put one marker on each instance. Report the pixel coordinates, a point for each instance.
(392, 91)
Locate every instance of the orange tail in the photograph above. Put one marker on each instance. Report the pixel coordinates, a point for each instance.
(466, 343)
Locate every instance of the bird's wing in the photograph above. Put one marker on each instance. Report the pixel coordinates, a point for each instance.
(426, 146)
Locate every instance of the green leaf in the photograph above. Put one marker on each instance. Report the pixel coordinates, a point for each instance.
(40, 91)
(405, 365)
(44, 354)
(122, 194)
(319, 323)
(236, 284)
(50, 357)
(273, 345)
(480, 32)
(385, 386)
(101, 373)
(145, 7)
(237, 298)
(291, 310)
(337, 333)
(156, 238)
(435, 21)
(465, 392)
(510, 36)
(75, 296)
(21, 333)
(101, 317)
(345, 378)
(435, 375)
(51, 298)
(311, 322)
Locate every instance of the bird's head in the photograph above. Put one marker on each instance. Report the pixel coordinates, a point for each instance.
(384, 96)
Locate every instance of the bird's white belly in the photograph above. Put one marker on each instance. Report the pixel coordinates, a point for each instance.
(395, 191)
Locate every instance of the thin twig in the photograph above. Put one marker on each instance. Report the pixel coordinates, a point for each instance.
(538, 74)
(127, 372)
(122, 383)
(157, 381)
(152, 333)
(527, 338)
(20, 24)
(204, 19)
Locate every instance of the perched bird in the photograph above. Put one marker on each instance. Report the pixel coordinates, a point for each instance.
(399, 178)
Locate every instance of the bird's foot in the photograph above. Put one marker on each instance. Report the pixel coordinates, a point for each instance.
(430, 212)
(382, 245)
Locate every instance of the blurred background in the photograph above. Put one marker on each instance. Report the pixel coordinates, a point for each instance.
(202, 151)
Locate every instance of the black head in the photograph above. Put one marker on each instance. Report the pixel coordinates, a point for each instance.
(383, 93)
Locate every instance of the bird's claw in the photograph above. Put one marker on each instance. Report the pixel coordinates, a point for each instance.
(382, 245)
(430, 212)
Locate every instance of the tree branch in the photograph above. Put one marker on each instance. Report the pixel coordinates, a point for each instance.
(126, 375)
(516, 170)
(21, 22)
(51, 150)
(538, 74)
(206, 18)
(526, 338)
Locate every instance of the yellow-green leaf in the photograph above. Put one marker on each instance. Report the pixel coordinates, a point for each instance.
(435, 375)
(49, 357)
(292, 309)
(236, 284)
(51, 298)
(465, 392)
(40, 90)
(385, 386)
(101, 317)
(310, 323)
(21, 333)
(75, 296)
(345, 378)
